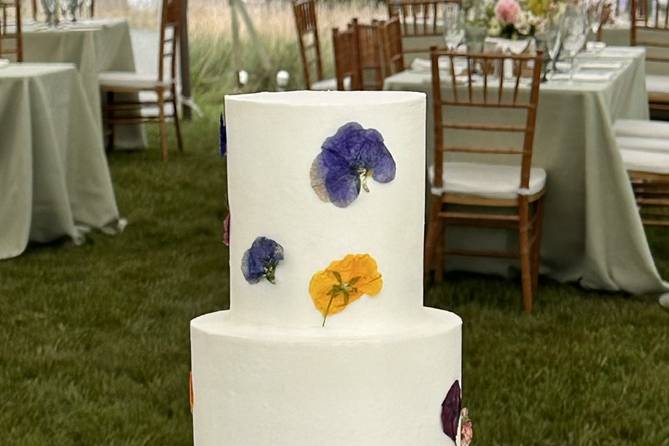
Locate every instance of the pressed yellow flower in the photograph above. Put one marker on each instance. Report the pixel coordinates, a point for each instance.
(343, 282)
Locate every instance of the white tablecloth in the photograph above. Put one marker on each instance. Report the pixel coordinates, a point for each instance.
(54, 178)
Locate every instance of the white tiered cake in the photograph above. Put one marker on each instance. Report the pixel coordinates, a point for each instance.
(326, 341)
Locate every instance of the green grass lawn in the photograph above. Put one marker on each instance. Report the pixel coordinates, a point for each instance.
(95, 338)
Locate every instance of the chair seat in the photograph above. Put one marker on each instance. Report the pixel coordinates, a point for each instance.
(128, 79)
(330, 84)
(642, 161)
(643, 144)
(657, 86)
(487, 180)
(641, 128)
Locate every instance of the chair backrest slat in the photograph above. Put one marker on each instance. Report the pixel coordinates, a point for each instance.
(393, 57)
(170, 28)
(308, 41)
(641, 20)
(446, 99)
(344, 45)
(418, 17)
(11, 34)
(369, 52)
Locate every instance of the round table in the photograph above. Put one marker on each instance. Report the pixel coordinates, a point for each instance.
(93, 46)
(53, 170)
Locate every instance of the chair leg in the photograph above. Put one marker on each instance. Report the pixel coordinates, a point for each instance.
(525, 254)
(536, 248)
(441, 253)
(163, 129)
(109, 118)
(434, 228)
(177, 125)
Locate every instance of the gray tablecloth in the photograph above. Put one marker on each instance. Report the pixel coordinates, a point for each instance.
(93, 46)
(592, 230)
(54, 179)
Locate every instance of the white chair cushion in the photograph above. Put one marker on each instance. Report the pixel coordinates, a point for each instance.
(330, 84)
(487, 180)
(641, 128)
(640, 161)
(644, 144)
(128, 79)
(657, 83)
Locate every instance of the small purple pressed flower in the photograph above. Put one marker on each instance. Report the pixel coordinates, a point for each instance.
(226, 230)
(347, 160)
(223, 146)
(261, 260)
(450, 411)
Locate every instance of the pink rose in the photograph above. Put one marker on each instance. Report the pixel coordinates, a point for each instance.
(507, 11)
(466, 429)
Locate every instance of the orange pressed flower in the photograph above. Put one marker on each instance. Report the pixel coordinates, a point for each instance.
(343, 282)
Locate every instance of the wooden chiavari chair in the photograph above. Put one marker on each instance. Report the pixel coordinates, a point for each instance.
(645, 154)
(163, 85)
(650, 28)
(420, 22)
(345, 49)
(369, 54)
(310, 47)
(11, 36)
(391, 36)
(512, 195)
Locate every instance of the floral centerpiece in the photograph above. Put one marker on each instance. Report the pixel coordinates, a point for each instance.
(515, 19)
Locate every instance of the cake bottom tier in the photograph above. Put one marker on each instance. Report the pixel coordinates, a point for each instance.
(257, 387)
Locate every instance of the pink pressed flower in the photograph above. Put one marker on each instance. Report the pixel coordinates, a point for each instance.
(466, 429)
(226, 230)
(507, 11)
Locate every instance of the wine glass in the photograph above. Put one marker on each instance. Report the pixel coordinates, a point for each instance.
(575, 30)
(454, 25)
(594, 10)
(64, 6)
(50, 10)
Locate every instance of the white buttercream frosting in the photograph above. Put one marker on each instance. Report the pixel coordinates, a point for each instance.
(265, 373)
(280, 388)
(273, 139)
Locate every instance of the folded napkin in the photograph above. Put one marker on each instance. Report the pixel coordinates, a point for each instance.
(4, 63)
(585, 76)
(507, 45)
(600, 66)
(425, 65)
(641, 128)
(620, 52)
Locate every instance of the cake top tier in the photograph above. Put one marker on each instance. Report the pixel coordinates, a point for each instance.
(324, 99)
(326, 195)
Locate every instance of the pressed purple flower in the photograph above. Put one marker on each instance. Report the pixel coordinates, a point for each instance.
(226, 230)
(450, 411)
(347, 160)
(261, 259)
(223, 146)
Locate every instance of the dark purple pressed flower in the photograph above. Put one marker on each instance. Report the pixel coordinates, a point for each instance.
(261, 260)
(450, 411)
(347, 160)
(224, 137)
